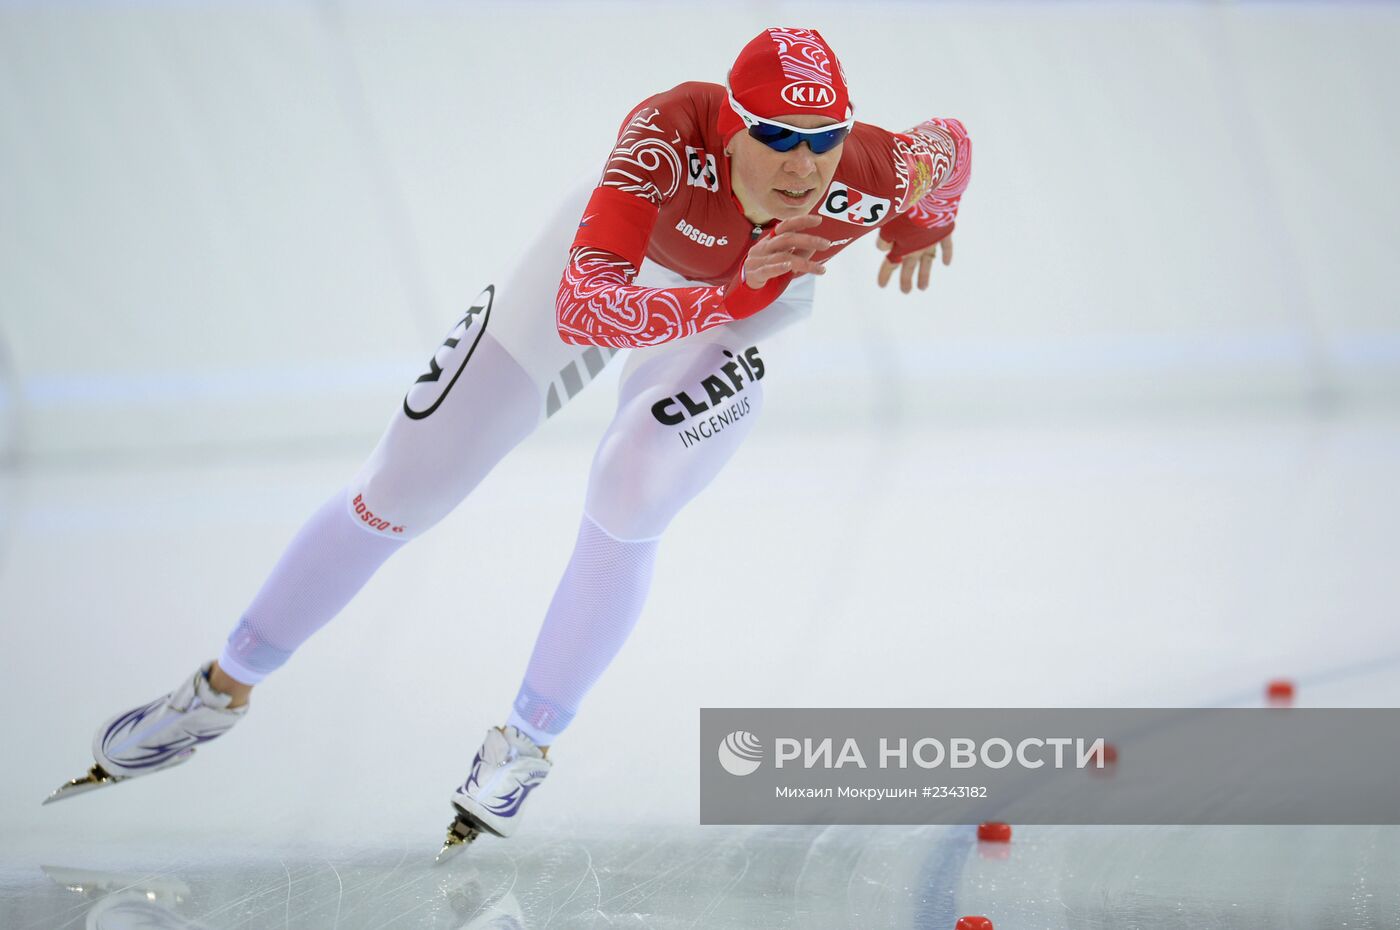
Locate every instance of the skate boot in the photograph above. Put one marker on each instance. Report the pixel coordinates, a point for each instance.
(157, 735)
(507, 767)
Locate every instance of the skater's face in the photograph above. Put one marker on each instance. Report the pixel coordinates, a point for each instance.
(780, 185)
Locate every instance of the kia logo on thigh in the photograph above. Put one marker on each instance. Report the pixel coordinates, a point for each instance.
(456, 350)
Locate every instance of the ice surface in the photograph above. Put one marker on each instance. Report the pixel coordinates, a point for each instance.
(1157, 562)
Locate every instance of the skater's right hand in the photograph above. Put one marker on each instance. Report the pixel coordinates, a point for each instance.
(787, 250)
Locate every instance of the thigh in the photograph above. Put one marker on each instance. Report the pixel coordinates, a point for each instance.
(472, 406)
(794, 306)
(684, 408)
(500, 371)
(524, 318)
(681, 416)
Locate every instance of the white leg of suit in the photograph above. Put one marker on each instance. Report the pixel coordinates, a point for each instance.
(683, 410)
(499, 373)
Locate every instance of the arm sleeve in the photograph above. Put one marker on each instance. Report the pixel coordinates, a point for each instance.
(597, 304)
(935, 159)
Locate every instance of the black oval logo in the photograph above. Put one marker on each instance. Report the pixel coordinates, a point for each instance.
(429, 391)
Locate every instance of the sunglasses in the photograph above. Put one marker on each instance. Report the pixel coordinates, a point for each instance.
(784, 138)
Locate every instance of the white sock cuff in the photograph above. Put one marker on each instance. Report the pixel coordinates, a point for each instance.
(537, 736)
(589, 518)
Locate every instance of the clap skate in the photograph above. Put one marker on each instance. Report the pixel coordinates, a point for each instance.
(155, 736)
(507, 767)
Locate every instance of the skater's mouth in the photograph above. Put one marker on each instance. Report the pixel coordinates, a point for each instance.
(794, 196)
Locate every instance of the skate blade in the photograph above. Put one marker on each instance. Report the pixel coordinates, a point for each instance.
(96, 777)
(460, 835)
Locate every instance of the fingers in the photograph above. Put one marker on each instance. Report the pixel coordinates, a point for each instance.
(797, 223)
(906, 274)
(787, 251)
(772, 270)
(756, 278)
(925, 269)
(793, 242)
(886, 270)
(794, 261)
(759, 273)
(919, 262)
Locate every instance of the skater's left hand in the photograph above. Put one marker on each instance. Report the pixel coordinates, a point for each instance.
(923, 261)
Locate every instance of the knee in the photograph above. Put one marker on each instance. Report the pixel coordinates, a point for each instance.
(433, 454)
(376, 519)
(676, 428)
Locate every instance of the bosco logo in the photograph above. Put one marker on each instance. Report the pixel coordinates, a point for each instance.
(456, 350)
(809, 94)
(699, 236)
(852, 206)
(370, 518)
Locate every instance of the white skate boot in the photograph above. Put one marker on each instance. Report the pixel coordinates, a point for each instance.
(157, 735)
(507, 767)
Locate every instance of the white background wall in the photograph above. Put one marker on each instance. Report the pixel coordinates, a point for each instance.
(229, 226)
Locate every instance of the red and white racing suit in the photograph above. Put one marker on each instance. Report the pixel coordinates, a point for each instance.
(649, 263)
(665, 194)
(650, 259)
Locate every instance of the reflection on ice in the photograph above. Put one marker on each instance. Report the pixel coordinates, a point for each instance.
(812, 878)
(234, 897)
(124, 901)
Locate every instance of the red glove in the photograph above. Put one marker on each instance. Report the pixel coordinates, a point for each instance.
(907, 237)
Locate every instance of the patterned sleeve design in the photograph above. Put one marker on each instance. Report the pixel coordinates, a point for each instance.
(932, 164)
(646, 161)
(597, 304)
